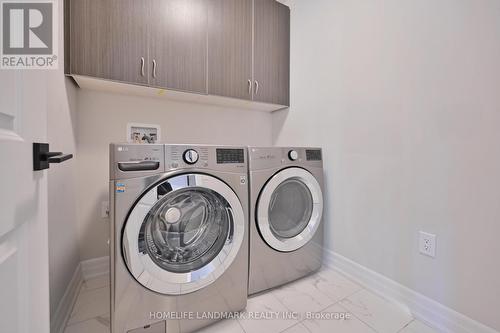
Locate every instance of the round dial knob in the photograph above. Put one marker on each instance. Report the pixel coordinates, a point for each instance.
(190, 156)
(293, 155)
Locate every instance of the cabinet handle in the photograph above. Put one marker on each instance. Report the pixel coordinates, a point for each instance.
(142, 66)
(256, 87)
(154, 68)
(249, 86)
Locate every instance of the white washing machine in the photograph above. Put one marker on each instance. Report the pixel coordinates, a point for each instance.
(286, 209)
(179, 245)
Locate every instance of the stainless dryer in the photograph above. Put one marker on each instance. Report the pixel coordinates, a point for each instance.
(179, 245)
(286, 209)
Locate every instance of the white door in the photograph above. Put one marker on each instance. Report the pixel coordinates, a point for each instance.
(24, 279)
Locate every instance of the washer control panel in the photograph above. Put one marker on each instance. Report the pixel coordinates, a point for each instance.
(210, 157)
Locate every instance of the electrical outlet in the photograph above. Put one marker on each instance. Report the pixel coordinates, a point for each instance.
(427, 244)
(105, 209)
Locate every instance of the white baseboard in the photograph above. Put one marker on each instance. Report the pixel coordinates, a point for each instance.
(95, 267)
(422, 307)
(63, 311)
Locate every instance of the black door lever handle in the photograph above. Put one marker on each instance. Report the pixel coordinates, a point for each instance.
(53, 153)
(42, 156)
(60, 157)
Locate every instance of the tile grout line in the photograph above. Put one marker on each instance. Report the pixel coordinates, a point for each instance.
(241, 326)
(326, 307)
(271, 293)
(334, 302)
(382, 297)
(339, 304)
(361, 320)
(398, 331)
(297, 324)
(76, 301)
(286, 307)
(375, 293)
(83, 321)
(73, 307)
(401, 330)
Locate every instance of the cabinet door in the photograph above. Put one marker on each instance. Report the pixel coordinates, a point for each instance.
(271, 52)
(128, 46)
(230, 48)
(88, 33)
(178, 45)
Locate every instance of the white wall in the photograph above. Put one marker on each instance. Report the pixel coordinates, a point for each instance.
(404, 97)
(102, 119)
(61, 130)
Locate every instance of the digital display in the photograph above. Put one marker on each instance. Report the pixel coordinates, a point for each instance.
(313, 155)
(230, 156)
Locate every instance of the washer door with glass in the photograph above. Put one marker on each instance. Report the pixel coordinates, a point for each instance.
(183, 234)
(289, 209)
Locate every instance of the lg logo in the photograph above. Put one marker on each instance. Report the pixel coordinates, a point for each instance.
(27, 28)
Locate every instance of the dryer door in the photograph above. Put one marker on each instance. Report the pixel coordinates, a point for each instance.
(289, 209)
(183, 233)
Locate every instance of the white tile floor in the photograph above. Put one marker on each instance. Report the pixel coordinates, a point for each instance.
(326, 292)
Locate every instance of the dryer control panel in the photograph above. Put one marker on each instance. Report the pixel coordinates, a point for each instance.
(270, 157)
(313, 155)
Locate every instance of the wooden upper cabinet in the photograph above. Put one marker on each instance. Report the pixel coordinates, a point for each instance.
(87, 28)
(128, 46)
(271, 52)
(178, 44)
(230, 48)
(108, 39)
